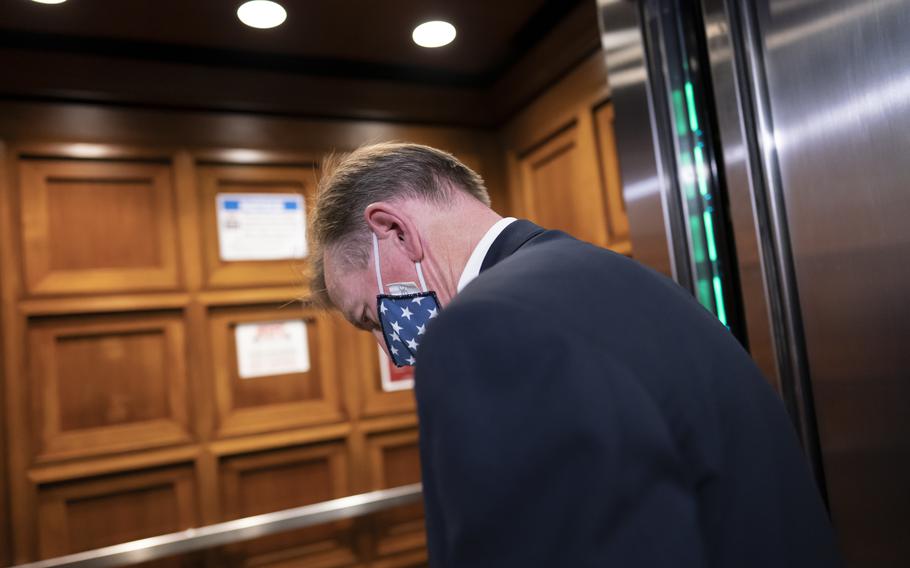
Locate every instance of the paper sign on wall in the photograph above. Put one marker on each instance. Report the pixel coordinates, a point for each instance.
(261, 226)
(272, 348)
(394, 378)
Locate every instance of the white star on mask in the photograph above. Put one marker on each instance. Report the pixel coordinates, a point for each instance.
(396, 327)
(406, 313)
(412, 344)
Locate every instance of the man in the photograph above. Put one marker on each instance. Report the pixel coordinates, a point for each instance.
(576, 409)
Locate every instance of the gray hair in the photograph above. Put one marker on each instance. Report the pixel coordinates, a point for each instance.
(379, 172)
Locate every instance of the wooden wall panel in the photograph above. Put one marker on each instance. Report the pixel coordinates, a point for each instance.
(248, 179)
(559, 186)
(609, 168)
(115, 373)
(97, 227)
(105, 384)
(394, 459)
(91, 513)
(6, 556)
(276, 402)
(280, 479)
(561, 156)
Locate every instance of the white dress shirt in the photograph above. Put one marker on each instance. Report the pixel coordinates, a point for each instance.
(475, 261)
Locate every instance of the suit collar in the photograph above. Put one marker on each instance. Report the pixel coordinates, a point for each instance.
(510, 240)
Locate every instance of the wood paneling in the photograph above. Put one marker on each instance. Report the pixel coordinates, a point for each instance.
(268, 403)
(559, 185)
(609, 168)
(110, 381)
(97, 227)
(394, 459)
(107, 383)
(96, 512)
(5, 512)
(248, 179)
(561, 157)
(280, 479)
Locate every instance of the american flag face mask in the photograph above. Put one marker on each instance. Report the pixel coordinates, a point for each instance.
(404, 313)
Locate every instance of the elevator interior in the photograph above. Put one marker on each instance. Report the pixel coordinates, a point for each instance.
(754, 150)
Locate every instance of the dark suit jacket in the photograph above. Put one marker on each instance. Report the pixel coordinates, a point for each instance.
(578, 409)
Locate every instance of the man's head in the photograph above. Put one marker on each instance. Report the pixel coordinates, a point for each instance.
(422, 204)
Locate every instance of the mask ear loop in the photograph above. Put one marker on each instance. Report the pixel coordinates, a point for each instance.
(376, 262)
(423, 283)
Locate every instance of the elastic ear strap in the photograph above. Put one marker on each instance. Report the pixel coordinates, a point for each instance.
(376, 262)
(423, 283)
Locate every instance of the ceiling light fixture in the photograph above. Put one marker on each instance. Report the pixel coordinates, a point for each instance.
(262, 14)
(434, 34)
(49, 1)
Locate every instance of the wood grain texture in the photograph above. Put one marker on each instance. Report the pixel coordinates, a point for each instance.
(87, 514)
(97, 227)
(107, 384)
(6, 546)
(560, 156)
(394, 460)
(279, 479)
(610, 175)
(276, 402)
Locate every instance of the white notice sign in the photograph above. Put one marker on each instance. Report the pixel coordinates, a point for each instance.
(261, 226)
(272, 348)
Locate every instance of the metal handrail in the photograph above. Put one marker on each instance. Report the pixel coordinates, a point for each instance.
(235, 531)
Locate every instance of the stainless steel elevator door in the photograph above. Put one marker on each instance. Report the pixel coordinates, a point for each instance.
(838, 84)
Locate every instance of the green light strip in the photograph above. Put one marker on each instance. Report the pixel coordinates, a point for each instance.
(680, 112)
(690, 102)
(719, 299)
(698, 246)
(709, 235)
(703, 291)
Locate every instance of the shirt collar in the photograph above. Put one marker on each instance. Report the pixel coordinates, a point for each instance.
(475, 261)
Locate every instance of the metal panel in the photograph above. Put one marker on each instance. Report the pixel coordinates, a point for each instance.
(643, 180)
(838, 100)
(735, 161)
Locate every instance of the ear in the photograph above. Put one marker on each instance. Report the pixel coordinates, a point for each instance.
(390, 221)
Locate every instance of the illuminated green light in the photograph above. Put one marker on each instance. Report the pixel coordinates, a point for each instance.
(709, 236)
(719, 298)
(703, 291)
(698, 247)
(690, 101)
(700, 171)
(680, 112)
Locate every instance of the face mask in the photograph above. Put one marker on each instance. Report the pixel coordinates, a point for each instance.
(403, 313)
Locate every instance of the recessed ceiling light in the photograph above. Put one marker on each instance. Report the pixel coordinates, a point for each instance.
(434, 34)
(49, 1)
(262, 14)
